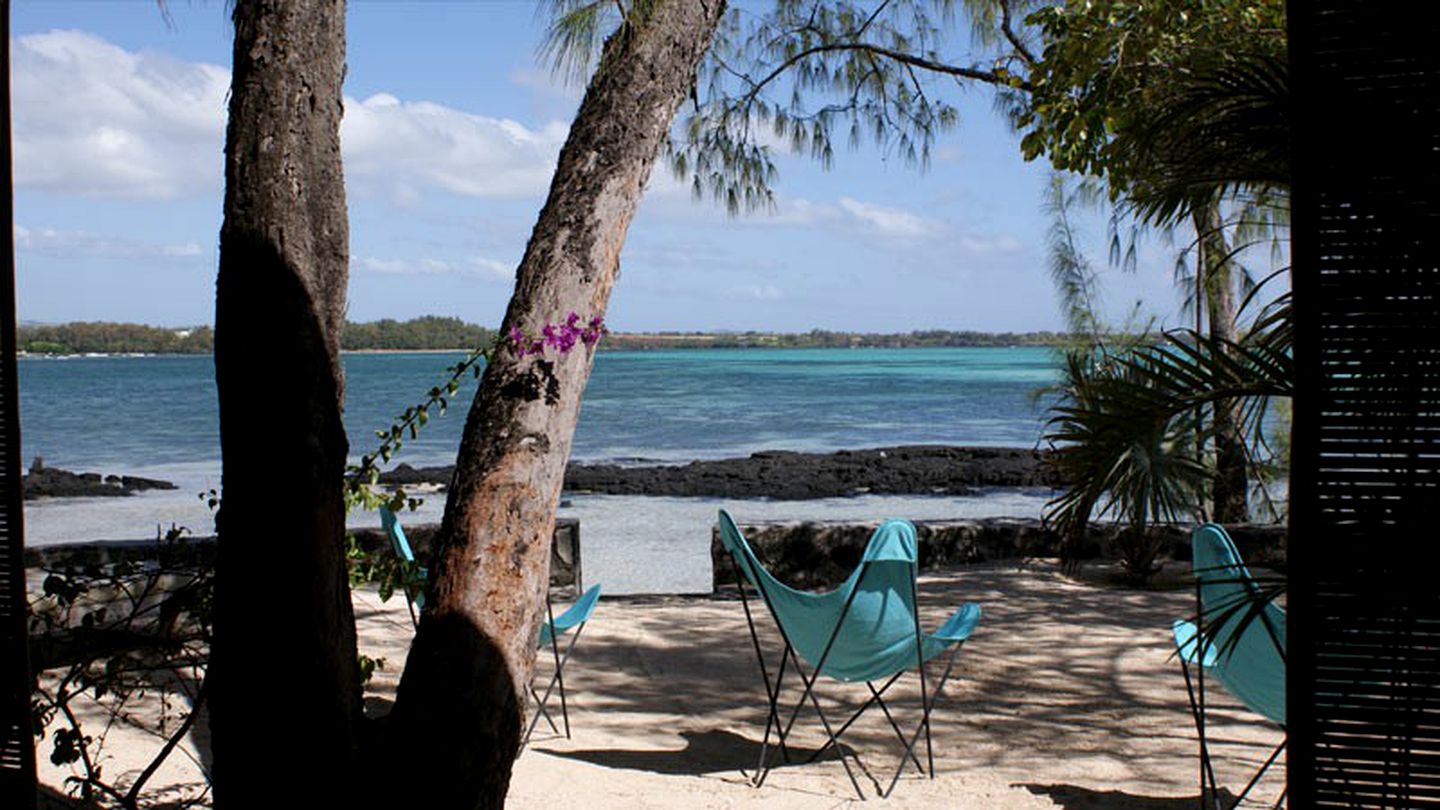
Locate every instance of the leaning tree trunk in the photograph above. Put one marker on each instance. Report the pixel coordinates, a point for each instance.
(1229, 488)
(460, 707)
(283, 683)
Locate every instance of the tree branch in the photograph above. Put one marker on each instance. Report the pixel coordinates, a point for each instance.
(132, 797)
(911, 60)
(1009, 32)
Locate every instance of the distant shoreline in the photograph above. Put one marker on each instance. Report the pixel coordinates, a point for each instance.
(440, 335)
(612, 348)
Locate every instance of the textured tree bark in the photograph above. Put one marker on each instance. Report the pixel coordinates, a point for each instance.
(283, 681)
(1229, 489)
(461, 702)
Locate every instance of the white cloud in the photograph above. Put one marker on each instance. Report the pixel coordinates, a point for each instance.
(800, 211)
(70, 244)
(758, 292)
(492, 268)
(948, 154)
(94, 119)
(1004, 243)
(544, 83)
(478, 266)
(888, 222)
(407, 148)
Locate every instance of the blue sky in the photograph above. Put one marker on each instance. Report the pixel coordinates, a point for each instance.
(450, 135)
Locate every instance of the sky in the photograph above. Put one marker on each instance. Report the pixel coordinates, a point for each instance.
(450, 135)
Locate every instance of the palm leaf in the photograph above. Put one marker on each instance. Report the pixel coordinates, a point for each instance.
(1221, 129)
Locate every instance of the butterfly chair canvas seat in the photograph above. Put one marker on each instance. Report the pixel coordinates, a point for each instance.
(1239, 640)
(866, 630)
(574, 618)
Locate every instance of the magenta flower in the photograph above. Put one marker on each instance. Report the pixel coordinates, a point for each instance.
(518, 341)
(561, 337)
(593, 333)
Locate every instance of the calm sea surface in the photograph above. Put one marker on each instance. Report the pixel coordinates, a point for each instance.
(156, 416)
(123, 414)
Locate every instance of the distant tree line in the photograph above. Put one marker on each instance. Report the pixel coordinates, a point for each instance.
(826, 339)
(429, 332)
(114, 338)
(434, 332)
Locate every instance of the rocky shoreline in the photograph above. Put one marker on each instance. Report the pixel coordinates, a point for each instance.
(778, 474)
(52, 482)
(787, 475)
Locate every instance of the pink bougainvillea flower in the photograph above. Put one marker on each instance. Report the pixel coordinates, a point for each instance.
(562, 337)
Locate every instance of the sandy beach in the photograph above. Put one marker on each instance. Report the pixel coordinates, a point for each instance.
(1066, 696)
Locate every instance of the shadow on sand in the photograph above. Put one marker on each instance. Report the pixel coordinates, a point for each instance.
(713, 751)
(1072, 797)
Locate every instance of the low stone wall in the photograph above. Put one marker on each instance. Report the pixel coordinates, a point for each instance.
(822, 554)
(105, 553)
(565, 568)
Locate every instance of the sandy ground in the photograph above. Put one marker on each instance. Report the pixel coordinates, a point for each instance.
(1066, 696)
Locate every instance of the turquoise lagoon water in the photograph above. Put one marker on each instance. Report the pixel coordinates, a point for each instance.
(156, 416)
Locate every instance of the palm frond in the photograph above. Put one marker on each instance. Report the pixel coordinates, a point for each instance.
(1222, 129)
(1223, 625)
(1125, 432)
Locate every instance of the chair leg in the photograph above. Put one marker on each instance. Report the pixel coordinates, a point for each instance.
(541, 711)
(832, 739)
(410, 604)
(782, 735)
(856, 716)
(815, 701)
(559, 665)
(1197, 713)
(898, 733)
(1263, 768)
(772, 720)
(924, 726)
(556, 679)
(920, 664)
(810, 682)
(772, 694)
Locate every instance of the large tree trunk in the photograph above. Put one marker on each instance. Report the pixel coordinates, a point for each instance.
(284, 687)
(457, 718)
(1229, 489)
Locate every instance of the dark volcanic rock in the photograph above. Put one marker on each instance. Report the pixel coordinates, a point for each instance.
(405, 475)
(138, 484)
(50, 482)
(785, 475)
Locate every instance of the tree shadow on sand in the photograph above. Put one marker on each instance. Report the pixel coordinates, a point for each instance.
(713, 751)
(1073, 797)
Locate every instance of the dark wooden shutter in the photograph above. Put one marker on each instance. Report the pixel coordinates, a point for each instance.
(17, 746)
(1364, 660)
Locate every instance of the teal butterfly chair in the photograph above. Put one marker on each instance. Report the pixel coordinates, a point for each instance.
(574, 618)
(866, 630)
(1238, 638)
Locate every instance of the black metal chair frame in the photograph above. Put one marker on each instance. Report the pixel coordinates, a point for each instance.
(556, 679)
(789, 656)
(1195, 689)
